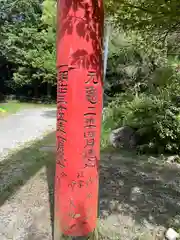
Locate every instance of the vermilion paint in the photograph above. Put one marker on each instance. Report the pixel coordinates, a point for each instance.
(79, 107)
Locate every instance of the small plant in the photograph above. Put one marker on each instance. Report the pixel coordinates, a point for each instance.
(2, 110)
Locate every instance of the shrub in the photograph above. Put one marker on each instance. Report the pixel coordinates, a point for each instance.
(156, 118)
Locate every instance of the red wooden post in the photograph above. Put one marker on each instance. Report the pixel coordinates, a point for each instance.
(79, 108)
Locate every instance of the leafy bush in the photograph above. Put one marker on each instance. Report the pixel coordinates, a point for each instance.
(156, 118)
(146, 78)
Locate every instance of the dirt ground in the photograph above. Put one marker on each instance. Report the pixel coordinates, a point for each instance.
(139, 196)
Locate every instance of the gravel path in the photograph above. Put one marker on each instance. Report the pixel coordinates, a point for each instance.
(26, 215)
(24, 126)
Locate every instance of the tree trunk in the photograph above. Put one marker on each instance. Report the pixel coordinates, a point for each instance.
(49, 88)
(36, 93)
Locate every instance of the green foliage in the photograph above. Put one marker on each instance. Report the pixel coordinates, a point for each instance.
(49, 13)
(28, 40)
(155, 117)
(37, 62)
(131, 63)
(145, 15)
(143, 77)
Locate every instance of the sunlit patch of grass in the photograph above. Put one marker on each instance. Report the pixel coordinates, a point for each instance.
(12, 107)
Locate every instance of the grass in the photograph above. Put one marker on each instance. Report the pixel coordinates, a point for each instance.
(105, 133)
(12, 107)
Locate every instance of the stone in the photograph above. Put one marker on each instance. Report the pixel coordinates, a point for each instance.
(123, 137)
(159, 233)
(171, 234)
(136, 193)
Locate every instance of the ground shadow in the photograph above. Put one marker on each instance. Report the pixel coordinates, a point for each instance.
(139, 186)
(22, 165)
(50, 172)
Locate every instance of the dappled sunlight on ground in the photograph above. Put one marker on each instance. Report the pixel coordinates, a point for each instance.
(138, 192)
(26, 192)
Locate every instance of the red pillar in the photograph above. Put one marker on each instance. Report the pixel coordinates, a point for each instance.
(79, 107)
